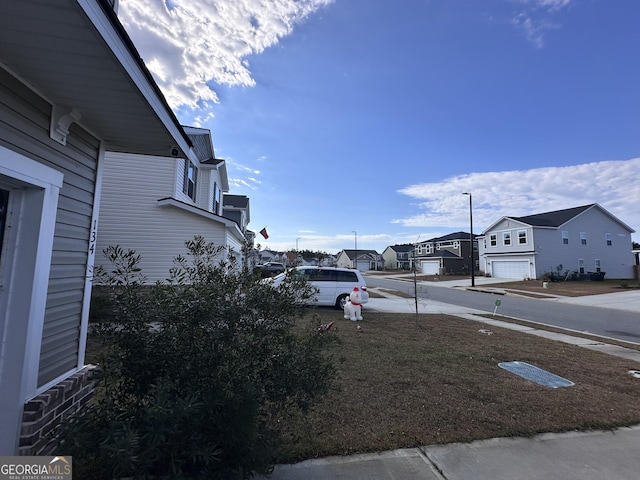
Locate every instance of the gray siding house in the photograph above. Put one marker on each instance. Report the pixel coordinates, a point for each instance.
(582, 239)
(447, 254)
(71, 87)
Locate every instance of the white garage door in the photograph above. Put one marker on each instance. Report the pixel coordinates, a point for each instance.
(430, 267)
(510, 269)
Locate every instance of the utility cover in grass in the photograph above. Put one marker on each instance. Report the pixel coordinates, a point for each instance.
(536, 374)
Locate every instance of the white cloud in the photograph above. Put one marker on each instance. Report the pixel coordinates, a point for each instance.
(612, 184)
(536, 18)
(189, 44)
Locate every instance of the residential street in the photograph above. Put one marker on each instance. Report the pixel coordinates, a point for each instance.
(575, 313)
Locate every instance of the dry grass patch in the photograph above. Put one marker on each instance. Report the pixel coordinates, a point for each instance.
(567, 289)
(404, 383)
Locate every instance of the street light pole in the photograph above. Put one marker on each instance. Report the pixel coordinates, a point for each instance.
(355, 257)
(473, 260)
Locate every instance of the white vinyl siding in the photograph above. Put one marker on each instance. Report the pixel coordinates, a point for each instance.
(131, 215)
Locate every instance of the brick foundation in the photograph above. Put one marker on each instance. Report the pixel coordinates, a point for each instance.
(51, 408)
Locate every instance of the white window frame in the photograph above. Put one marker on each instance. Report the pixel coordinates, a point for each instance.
(190, 186)
(583, 238)
(565, 237)
(522, 237)
(608, 239)
(493, 240)
(506, 239)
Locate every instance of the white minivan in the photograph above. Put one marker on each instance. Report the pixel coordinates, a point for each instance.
(334, 284)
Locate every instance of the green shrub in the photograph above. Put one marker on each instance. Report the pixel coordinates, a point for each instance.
(193, 369)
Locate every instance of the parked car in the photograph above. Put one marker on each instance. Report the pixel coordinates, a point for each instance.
(334, 284)
(270, 269)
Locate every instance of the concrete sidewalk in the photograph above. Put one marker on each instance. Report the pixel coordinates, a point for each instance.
(596, 455)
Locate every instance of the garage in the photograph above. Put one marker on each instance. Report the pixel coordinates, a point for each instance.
(518, 269)
(430, 267)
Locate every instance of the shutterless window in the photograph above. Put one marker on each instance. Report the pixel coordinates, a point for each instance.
(608, 239)
(522, 237)
(190, 178)
(581, 265)
(597, 265)
(493, 240)
(565, 237)
(583, 238)
(506, 238)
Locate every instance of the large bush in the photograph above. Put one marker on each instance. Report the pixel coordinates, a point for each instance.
(194, 370)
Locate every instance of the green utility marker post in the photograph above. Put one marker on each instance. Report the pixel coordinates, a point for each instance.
(498, 302)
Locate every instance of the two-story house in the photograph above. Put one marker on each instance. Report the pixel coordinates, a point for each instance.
(447, 254)
(398, 257)
(360, 259)
(184, 198)
(72, 86)
(580, 239)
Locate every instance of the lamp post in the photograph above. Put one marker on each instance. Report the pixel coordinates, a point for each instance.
(355, 256)
(296, 262)
(473, 260)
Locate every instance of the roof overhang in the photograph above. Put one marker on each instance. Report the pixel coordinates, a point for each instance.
(229, 224)
(77, 56)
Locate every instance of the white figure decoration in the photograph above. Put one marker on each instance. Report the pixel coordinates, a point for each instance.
(353, 308)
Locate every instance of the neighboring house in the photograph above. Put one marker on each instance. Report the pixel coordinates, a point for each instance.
(360, 259)
(71, 87)
(265, 256)
(580, 239)
(321, 260)
(155, 215)
(398, 257)
(447, 254)
(236, 208)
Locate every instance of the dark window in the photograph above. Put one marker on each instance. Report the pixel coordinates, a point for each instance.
(190, 178)
(350, 277)
(325, 276)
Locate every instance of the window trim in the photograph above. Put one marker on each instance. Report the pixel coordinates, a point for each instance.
(506, 239)
(522, 234)
(583, 238)
(608, 238)
(190, 185)
(565, 237)
(493, 239)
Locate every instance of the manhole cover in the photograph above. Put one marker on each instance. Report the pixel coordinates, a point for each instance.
(535, 374)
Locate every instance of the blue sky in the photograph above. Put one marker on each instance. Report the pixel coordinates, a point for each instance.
(374, 116)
